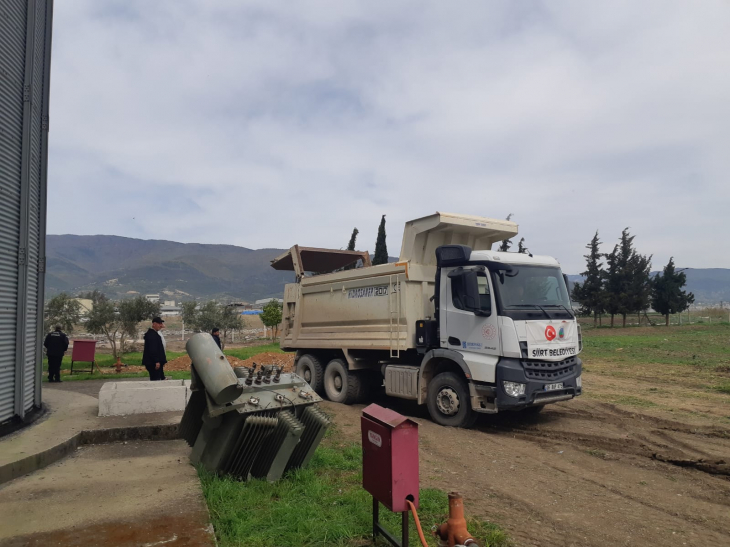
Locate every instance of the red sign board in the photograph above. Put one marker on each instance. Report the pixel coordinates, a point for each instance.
(389, 457)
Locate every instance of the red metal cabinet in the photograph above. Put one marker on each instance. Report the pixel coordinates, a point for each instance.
(389, 457)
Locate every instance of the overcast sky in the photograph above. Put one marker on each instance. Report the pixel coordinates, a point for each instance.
(265, 124)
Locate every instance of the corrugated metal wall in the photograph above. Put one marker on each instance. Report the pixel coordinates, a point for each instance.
(25, 56)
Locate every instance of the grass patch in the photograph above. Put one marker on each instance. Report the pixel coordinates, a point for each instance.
(632, 401)
(250, 351)
(596, 453)
(724, 388)
(323, 504)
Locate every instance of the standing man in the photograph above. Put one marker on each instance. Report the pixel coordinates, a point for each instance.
(216, 334)
(56, 344)
(153, 357)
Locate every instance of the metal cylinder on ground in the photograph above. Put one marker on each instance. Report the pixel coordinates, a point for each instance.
(213, 369)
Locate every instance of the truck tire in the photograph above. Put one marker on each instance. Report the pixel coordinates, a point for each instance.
(342, 385)
(309, 368)
(448, 401)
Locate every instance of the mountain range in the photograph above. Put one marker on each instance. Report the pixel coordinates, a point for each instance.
(122, 267)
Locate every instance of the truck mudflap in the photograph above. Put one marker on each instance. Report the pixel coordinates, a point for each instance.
(532, 382)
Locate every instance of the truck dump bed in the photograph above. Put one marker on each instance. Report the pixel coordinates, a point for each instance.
(374, 307)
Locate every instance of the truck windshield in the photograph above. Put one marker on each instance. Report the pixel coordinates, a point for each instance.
(533, 287)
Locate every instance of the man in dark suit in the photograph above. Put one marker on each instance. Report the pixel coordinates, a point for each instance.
(153, 357)
(216, 334)
(56, 344)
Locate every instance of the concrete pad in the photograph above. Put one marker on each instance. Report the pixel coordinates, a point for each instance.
(71, 422)
(123, 494)
(125, 398)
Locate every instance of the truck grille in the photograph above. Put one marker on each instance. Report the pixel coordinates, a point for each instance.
(549, 370)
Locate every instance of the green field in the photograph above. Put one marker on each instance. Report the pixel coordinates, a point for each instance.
(106, 361)
(323, 504)
(705, 346)
(682, 369)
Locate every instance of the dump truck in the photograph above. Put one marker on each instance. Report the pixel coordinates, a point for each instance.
(451, 324)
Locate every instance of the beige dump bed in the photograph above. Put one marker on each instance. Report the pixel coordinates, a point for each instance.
(374, 307)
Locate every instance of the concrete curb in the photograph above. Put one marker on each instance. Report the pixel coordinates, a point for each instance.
(51, 455)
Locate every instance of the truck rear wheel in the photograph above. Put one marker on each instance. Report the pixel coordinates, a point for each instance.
(448, 401)
(309, 368)
(342, 385)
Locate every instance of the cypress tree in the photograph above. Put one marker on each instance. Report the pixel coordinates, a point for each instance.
(351, 247)
(381, 249)
(353, 237)
(613, 284)
(667, 294)
(640, 286)
(590, 294)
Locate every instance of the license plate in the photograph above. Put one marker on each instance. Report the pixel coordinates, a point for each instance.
(553, 387)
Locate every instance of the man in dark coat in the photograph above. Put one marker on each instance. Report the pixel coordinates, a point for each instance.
(216, 334)
(153, 357)
(56, 344)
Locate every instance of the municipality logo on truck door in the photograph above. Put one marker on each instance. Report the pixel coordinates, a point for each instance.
(551, 340)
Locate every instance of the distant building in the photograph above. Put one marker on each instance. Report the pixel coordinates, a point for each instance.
(169, 303)
(86, 305)
(152, 297)
(166, 311)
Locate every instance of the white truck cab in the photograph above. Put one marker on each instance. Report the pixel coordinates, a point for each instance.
(507, 316)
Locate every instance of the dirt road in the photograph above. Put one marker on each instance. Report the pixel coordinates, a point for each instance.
(582, 473)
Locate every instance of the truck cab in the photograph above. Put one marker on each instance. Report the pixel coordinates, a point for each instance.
(506, 320)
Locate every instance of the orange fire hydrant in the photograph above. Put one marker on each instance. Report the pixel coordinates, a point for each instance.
(453, 531)
(118, 365)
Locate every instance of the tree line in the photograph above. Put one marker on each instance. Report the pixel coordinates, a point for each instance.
(623, 285)
(117, 320)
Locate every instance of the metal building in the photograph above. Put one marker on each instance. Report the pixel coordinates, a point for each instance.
(25, 59)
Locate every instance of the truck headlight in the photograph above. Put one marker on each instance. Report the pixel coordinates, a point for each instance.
(578, 381)
(514, 389)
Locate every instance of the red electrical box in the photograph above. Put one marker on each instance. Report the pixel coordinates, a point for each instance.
(389, 457)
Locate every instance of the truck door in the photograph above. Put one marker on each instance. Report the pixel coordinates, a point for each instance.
(472, 327)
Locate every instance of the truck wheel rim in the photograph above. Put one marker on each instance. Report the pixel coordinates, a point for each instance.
(338, 382)
(307, 375)
(447, 401)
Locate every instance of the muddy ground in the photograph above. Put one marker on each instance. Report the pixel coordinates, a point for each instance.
(584, 472)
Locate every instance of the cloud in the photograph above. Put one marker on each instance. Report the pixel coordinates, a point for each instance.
(264, 124)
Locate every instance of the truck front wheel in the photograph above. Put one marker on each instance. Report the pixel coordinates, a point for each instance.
(342, 385)
(448, 401)
(309, 368)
